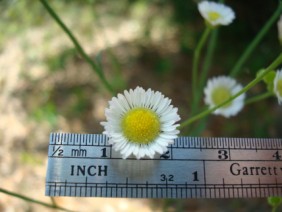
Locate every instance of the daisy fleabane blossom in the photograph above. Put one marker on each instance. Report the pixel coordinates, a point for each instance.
(141, 123)
(218, 90)
(216, 13)
(278, 85)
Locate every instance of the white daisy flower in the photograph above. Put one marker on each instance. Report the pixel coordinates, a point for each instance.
(216, 13)
(218, 90)
(141, 123)
(278, 85)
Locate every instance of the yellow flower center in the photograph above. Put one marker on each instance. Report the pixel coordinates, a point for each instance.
(279, 87)
(213, 16)
(141, 125)
(221, 94)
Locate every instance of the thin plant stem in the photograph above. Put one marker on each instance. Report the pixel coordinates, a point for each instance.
(206, 65)
(28, 199)
(209, 57)
(271, 67)
(53, 201)
(203, 77)
(96, 68)
(196, 58)
(274, 208)
(259, 97)
(238, 66)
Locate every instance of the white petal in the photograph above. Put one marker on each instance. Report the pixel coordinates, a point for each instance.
(161, 141)
(130, 150)
(157, 147)
(127, 150)
(123, 102)
(156, 100)
(277, 79)
(168, 136)
(119, 145)
(171, 116)
(163, 105)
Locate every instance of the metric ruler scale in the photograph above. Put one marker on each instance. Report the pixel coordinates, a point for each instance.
(84, 165)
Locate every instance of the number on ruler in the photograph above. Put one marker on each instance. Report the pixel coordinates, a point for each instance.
(165, 155)
(167, 178)
(104, 153)
(58, 150)
(195, 174)
(222, 154)
(276, 155)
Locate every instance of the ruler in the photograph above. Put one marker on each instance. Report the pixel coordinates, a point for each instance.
(84, 165)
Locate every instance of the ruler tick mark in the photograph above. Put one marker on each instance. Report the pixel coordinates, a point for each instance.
(186, 155)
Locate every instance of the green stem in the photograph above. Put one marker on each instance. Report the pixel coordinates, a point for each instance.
(196, 57)
(203, 77)
(25, 198)
(271, 67)
(53, 201)
(208, 59)
(259, 97)
(206, 66)
(81, 51)
(238, 66)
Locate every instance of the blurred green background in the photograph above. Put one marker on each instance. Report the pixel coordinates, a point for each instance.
(46, 86)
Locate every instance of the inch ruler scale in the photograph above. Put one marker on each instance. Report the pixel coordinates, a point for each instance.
(84, 165)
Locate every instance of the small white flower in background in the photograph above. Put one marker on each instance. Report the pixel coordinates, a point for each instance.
(218, 90)
(279, 24)
(216, 13)
(141, 123)
(278, 85)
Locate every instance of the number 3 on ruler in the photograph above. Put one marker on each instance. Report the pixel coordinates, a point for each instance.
(222, 154)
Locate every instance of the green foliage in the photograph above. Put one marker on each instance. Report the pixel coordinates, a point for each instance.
(79, 102)
(17, 16)
(47, 112)
(163, 66)
(274, 202)
(58, 62)
(30, 158)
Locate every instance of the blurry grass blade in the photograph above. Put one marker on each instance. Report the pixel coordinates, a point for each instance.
(93, 65)
(28, 199)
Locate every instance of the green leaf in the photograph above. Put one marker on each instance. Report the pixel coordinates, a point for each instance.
(274, 201)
